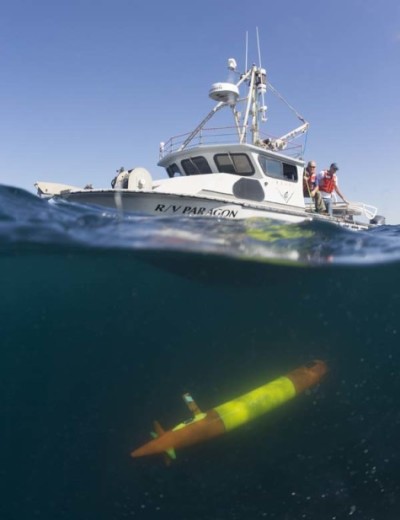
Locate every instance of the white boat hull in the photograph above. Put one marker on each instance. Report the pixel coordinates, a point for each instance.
(152, 203)
(164, 204)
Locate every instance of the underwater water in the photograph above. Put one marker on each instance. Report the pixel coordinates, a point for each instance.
(107, 319)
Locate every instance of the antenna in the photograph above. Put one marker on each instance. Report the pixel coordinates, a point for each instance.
(247, 50)
(262, 86)
(258, 47)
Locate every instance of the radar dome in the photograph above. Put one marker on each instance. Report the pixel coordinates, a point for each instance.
(225, 92)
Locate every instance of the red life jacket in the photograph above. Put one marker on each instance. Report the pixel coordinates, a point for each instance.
(328, 182)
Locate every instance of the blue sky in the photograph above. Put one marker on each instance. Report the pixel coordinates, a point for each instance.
(88, 86)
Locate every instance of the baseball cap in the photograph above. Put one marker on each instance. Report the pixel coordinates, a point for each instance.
(334, 166)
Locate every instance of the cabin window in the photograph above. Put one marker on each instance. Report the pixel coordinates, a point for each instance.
(237, 163)
(173, 169)
(196, 165)
(290, 172)
(278, 169)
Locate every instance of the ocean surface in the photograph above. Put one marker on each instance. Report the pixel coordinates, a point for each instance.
(107, 319)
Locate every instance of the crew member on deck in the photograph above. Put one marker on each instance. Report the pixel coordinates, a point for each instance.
(327, 181)
(310, 186)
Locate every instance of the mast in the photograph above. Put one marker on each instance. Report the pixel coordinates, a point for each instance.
(226, 94)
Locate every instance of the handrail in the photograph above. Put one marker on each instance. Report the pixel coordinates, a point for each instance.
(365, 209)
(216, 135)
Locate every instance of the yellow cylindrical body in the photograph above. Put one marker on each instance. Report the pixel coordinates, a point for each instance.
(257, 402)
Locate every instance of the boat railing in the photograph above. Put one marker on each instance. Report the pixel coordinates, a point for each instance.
(226, 134)
(215, 136)
(363, 209)
(345, 210)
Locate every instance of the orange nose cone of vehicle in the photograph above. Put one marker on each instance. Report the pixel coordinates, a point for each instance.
(307, 375)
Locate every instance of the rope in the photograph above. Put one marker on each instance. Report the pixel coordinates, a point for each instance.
(284, 100)
(305, 143)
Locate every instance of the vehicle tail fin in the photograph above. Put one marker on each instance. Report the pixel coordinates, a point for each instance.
(159, 430)
(169, 455)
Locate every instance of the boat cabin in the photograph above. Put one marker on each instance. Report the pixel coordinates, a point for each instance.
(265, 175)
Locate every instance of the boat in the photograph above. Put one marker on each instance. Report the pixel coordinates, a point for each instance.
(229, 172)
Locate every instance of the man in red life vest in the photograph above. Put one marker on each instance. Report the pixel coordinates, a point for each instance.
(328, 183)
(310, 186)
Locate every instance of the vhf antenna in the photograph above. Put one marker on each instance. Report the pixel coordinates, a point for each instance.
(247, 50)
(262, 87)
(258, 48)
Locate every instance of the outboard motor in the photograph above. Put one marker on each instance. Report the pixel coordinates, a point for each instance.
(378, 220)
